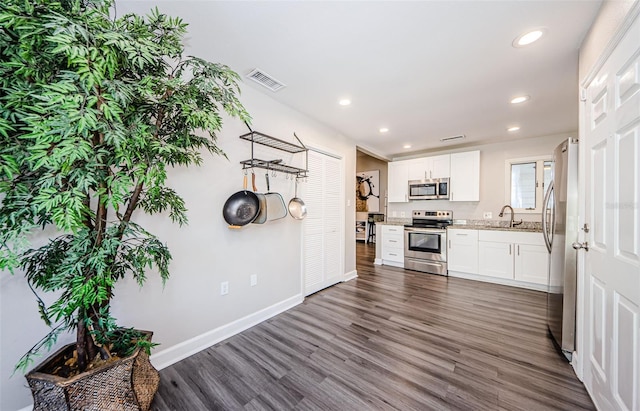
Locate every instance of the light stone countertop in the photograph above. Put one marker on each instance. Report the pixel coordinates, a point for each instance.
(495, 225)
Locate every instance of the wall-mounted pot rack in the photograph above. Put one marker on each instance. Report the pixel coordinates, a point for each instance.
(277, 165)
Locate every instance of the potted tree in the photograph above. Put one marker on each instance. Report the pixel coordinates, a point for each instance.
(94, 109)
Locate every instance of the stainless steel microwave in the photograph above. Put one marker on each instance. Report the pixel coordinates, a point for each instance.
(434, 189)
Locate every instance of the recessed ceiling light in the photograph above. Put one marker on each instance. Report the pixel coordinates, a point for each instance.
(384, 129)
(528, 38)
(520, 99)
(344, 102)
(407, 146)
(514, 128)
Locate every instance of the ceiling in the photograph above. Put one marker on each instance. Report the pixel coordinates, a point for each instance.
(425, 70)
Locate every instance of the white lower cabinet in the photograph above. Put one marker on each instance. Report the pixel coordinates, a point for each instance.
(462, 253)
(518, 256)
(532, 263)
(496, 259)
(392, 245)
(506, 257)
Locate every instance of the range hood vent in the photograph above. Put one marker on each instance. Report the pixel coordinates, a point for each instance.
(266, 80)
(460, 137)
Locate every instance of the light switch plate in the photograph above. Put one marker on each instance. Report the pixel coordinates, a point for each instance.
(487, 215)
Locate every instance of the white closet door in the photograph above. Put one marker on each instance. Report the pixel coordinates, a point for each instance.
(323, 228)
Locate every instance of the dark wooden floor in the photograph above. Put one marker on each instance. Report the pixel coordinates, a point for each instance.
(391, 339)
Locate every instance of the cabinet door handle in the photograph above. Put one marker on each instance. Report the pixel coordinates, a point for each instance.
(449, 244)
(393, 254)
(392, 241)
(518, 249)
(509, 249)
(463, 234)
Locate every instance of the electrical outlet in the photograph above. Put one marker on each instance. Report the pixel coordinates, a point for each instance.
(401, 213)
(394, 214)
(224, 288)
(487, 215)
(254, 279)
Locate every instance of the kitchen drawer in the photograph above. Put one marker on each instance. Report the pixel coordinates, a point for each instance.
(510, 237)
(392, 229)
(392, 254)
(393, 240)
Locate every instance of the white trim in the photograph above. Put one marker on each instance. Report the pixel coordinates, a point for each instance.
(27, 408)
(393, 263)
(577, 365)
(497, 280)
(622, 30)
(178, 352)
(377, 261)
(539, 160)
(325, 152)
(350, 276)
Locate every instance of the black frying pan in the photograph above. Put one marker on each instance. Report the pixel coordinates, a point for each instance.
(241, 208)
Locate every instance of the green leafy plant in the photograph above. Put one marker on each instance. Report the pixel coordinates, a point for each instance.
(93, 111)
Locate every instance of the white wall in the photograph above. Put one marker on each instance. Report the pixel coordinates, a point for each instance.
(205, 252)
(609, 18)
(492, 179)
(365, 162)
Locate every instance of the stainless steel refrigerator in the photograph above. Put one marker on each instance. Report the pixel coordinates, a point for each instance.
(560, 230)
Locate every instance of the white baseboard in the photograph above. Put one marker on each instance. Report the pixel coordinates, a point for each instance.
(497, 280)
(377, 261)
(393, 263)
(350, 275)
(172, 355)
(27, 408)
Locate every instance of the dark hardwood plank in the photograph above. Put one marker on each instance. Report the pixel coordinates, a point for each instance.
(389, 340)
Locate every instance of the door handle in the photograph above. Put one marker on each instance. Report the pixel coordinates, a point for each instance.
(577, 245)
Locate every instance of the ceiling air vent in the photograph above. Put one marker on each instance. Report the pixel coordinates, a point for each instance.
(460, 137)
(266, 80)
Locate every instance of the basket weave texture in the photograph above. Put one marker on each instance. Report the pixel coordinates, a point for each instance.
(127, 384)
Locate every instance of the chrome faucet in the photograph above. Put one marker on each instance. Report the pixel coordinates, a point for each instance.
(511, 222)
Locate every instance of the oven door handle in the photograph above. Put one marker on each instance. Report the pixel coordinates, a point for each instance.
(425, 230)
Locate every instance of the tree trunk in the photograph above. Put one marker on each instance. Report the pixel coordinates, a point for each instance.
(81, 342)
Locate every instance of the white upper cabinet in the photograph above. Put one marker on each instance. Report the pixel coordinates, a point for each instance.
(465, 176)
(440, 166)
(429, 167)
(397, 181)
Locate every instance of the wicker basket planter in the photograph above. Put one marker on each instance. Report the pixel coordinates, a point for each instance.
(125, 384)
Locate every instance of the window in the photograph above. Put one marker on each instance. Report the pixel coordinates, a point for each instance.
(526, 181)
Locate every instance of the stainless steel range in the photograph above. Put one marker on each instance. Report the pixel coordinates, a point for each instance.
(425, 241)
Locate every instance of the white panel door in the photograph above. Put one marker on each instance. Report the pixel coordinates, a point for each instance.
(611, 139)
(323, 227)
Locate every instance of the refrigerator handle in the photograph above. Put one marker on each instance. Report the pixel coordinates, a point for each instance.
(545, 203)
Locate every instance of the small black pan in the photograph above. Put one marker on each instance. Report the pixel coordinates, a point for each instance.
(241, 208)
